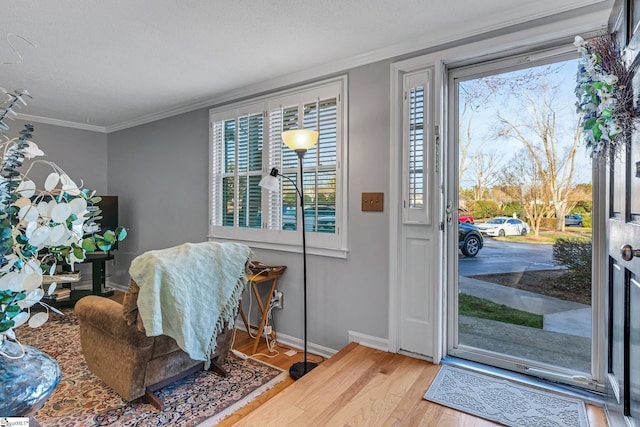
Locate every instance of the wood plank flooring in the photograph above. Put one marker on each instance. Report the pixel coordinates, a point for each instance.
(359, 386)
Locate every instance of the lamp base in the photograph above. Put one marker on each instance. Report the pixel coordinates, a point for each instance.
(297, 370)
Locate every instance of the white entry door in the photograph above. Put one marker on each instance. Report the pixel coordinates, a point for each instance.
(417, 257)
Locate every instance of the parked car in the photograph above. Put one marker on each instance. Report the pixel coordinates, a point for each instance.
(504, 226)
(469, 239)
(465, 216)
(326, 219)
(573, 219)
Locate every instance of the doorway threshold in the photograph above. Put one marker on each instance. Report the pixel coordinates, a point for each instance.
(587, 396)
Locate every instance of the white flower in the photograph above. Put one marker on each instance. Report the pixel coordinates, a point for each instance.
(607, 100)
(605, 134)
(610, 79)
(578, 41)
(613, 128)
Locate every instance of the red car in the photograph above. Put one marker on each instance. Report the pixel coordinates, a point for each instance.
(465, 216)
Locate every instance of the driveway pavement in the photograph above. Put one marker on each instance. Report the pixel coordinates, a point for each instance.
(507, 257)
(565, 339)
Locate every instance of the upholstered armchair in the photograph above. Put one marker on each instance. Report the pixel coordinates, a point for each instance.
(118, 351)
(174, 319)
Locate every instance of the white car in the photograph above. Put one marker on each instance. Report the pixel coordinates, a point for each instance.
(504, 226)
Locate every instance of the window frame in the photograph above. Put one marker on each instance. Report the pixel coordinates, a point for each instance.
(326, 244)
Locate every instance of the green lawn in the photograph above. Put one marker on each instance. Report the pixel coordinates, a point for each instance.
(547, 237)
(479, 307)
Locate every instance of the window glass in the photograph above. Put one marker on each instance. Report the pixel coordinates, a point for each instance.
(246, 143)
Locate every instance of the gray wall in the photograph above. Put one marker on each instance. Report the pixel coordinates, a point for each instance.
(160, 172)
(82, 154)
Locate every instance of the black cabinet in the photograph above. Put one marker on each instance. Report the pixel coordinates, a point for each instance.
(98, 279)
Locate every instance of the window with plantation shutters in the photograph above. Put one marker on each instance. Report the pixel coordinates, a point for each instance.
(417, 92)
(237, 169)
(246, 143)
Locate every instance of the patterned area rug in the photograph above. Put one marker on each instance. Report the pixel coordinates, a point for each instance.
(82, 399)
(504, 401)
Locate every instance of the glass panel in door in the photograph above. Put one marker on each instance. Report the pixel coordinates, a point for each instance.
(524, 221)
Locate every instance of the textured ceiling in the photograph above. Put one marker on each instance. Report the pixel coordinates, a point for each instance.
(106, 63)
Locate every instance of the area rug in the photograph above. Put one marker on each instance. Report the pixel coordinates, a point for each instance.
(504, 401)
(82, 399)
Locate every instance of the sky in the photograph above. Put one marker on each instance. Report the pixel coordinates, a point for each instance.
(485, 124)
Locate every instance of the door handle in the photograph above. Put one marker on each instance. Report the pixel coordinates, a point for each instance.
(628, 252)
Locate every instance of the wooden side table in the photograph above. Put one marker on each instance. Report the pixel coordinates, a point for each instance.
(272, 276)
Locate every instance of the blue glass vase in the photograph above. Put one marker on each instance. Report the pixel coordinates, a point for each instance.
(27, 380)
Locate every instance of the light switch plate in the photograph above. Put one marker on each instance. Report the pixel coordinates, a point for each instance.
(373, 202)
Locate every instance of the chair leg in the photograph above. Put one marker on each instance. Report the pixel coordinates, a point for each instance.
(218, 369)
(151, 398)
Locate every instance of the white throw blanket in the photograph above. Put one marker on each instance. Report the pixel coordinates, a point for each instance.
(190, 291)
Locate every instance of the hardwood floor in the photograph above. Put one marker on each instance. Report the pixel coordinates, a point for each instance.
(359, 386)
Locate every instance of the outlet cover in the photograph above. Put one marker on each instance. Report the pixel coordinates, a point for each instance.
(372, 202)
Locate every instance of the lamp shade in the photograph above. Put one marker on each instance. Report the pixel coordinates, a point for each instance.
(270, 182)
(300, 139)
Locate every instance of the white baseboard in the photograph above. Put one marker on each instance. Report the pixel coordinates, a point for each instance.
(369, 341)
(290, 341)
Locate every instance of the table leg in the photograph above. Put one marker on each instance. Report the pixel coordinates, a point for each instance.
(264, 309)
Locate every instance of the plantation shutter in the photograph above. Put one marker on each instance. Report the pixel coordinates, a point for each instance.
(236, 171)
(415, 127)
(228, 175)
(249, 148)
(217, 168)
(283, 205)
(246, 142)
(320, 166)
(274, 204)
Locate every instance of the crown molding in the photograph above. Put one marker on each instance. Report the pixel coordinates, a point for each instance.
(63, 123)
(576, 10)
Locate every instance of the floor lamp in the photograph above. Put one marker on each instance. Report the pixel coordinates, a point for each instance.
(299, 140)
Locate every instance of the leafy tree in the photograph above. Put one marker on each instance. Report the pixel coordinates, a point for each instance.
(485, 209)
(513, 207)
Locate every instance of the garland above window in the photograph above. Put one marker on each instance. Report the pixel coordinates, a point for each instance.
(605, 97)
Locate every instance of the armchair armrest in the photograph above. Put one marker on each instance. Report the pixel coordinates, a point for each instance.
(116, 352)
(105, 315)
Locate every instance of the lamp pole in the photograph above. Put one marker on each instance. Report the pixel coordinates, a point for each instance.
(298, 370)
(299, 140)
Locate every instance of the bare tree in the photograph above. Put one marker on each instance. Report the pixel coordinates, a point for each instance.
(523, 180)
(475, 95)
(485, 168)
(537, 129)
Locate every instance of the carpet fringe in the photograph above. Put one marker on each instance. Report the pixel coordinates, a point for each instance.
(245, 401)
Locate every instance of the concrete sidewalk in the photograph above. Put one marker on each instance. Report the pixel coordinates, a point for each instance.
(560, 316)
